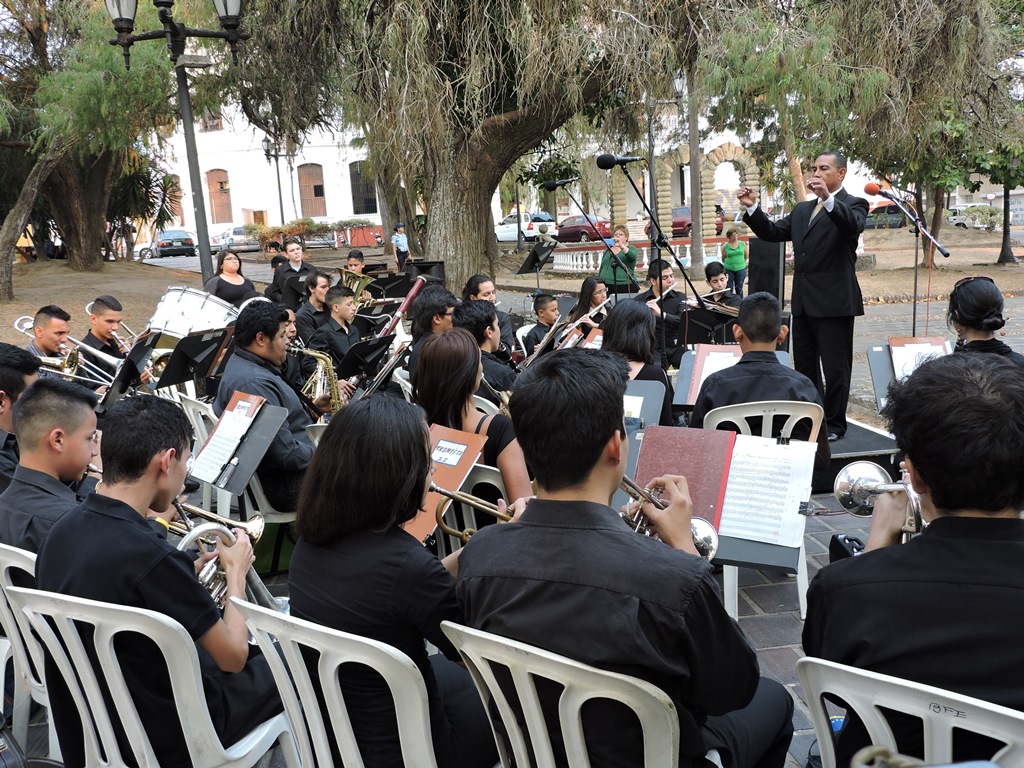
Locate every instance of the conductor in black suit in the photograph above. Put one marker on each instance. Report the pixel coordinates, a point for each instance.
(826, 294)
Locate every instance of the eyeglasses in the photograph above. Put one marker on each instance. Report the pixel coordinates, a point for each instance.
(965, 280)
(190, 462)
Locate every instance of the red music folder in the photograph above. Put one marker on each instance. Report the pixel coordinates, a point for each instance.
(454, 453)
(702, 456)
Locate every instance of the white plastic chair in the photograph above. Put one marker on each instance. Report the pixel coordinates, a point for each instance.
(941, 711)
(57, 620)
(484, 405)
(655, 710)
(283, 638)
(521, 335)
(401, 376)
(315, 431)
(29, 685)
(766, 410)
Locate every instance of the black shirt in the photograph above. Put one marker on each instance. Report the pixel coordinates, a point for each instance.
(387, 587)
(335, 340)
(9, 458)
(229, 292)
(309, 319)
(535, 337)
(945, 609)
(992, 347)
(141, 570)
(30, 506)
(275, 291)
(106, 347)
(573, 578)
(498, 374)
(672, 308)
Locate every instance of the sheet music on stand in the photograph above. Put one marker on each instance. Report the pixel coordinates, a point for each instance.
(910, 352)
(710, 359)
(768, 481)
(238, 441)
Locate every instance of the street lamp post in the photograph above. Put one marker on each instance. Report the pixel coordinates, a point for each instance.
(270, 151)
(122, 13)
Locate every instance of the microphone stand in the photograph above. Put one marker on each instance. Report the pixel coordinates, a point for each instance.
(920, 228)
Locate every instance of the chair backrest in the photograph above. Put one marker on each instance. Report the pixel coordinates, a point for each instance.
(941, 711)
(521, 334)
(315, 431)
(484, 405)
(580, 683)
(28, 653)
(283, 639)
(59, 620)
(401, 377)
(200, 416)
(767, 410)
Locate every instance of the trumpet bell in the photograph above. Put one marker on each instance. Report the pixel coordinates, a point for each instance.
(858, 482)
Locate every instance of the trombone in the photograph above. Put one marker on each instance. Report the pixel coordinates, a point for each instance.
(71, 359)
(705, 537)
(470, 501)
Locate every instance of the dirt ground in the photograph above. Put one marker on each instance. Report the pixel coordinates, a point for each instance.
(139, 286)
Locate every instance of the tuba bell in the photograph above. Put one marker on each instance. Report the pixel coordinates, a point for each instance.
(857, 483)
(355, 282)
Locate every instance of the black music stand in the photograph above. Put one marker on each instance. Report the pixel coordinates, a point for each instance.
(130, 371)
(432, 270)
(370, 324)
(364, 356)
(294, 291)
(242, 458)
(706, 326)
(395, 285)
(195, 357)
(537, 258)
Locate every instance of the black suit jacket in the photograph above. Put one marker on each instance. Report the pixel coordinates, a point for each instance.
(824, 254)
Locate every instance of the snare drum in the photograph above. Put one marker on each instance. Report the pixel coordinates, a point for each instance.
(183, 310)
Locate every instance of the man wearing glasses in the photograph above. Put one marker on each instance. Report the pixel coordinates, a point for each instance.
(667, 317)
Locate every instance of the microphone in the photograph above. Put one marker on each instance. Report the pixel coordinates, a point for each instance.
(551, 186)
(873, 189)
(607, 162)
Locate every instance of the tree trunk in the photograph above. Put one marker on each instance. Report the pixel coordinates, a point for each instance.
(1006, 249)
(696, 198)
(19, 215)
(398, 206)
(461, 231)
(78, 191)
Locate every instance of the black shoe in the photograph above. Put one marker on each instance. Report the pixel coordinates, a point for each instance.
(832, 437)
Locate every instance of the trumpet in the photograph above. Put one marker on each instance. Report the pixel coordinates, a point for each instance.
(470, 501)
(212, 576)
(859, 481)
(68, 364)
(705, 537)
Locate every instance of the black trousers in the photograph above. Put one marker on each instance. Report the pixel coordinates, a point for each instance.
(823, 352)
(758, 735)
(471, 742)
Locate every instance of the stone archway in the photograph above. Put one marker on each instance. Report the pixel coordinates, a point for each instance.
(749, 177)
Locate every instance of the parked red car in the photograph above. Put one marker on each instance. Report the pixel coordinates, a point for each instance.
(682, 221)
(575, 229)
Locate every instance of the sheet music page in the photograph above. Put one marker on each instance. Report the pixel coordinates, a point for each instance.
(633, 406)
(767, 483)
(222, 444)
(906, 358)
(717, 361)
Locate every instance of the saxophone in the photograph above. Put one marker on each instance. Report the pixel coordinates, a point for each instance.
(324, 380)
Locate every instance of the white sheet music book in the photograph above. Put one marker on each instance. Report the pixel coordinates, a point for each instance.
(767, 483)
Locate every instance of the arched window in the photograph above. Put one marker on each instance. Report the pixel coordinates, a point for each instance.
(220, 196)
(364, 189)
(311, 190)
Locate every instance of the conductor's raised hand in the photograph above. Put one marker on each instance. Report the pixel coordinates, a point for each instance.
(746, 197)
(672, 524)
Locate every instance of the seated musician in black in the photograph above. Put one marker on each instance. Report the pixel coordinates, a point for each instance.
(146, 455)
(609, 597)
(104, 323)
(357, 570)
(667, 311)
(56, 427)
(293, 267)
(718, 280)
(947, 607)
(337, 336)
(481, 288)
(314, 312)
(480, 319)
(545, 306)
(18, 369)
(261, 346)
(759, 375)
(431, 313)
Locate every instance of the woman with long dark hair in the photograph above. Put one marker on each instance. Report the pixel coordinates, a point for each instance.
(976, 312)
(355, 569)
(629, 330)
(592, 293)
(446, 378)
